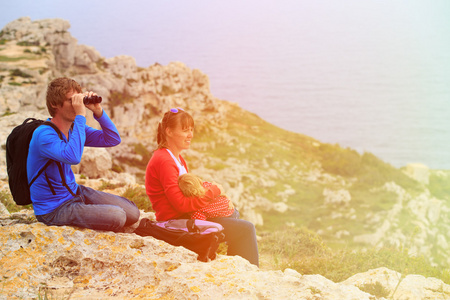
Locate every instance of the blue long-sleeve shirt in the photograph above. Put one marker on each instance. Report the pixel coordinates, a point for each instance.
(46, 144)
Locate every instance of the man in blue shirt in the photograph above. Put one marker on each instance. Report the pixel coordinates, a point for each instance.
(55, 203)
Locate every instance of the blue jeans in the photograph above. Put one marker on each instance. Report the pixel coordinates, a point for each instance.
(240, 236)
(95, 210)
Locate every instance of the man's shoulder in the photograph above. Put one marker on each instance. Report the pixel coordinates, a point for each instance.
(47, 128)
(45, 132)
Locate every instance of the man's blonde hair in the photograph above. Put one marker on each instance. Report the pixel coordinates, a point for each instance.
(191, 185)
(57, 90)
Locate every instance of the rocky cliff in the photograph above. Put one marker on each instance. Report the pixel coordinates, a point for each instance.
(267, 172)
(48, 262)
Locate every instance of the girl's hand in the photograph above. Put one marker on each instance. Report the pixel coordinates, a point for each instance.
(219, 186)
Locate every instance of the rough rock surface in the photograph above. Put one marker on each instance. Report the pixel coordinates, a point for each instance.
(61, 262)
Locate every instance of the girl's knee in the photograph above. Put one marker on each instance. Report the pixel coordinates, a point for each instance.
(248, 226)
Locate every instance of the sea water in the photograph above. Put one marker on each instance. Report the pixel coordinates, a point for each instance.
(370, 75)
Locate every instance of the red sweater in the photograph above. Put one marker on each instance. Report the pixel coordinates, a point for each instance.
(161, 185)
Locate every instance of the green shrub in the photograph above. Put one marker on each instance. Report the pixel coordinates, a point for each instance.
(101, 64)
(339, 161)
(139, 197)
(117, 168)
(376, 289)
(19, 73)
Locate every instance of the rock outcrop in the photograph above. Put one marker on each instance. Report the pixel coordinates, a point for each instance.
(39, 261)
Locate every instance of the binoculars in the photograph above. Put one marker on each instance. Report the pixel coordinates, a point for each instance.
(92, 99)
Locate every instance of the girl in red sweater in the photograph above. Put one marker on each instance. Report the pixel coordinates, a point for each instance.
(174, 134)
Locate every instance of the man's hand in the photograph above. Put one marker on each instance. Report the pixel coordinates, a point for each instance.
(96, 108)
(78, 105)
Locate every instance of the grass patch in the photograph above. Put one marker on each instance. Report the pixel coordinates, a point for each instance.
(7, 113)
(138, 195)
(376, 289)
(304, 251)
(374, 201)
(11, 59)
(110, 186)
(19, 73)
(27, 43)
(339, 161)
(7, 200)
(439, 185)
(141, 162)
(117, 168)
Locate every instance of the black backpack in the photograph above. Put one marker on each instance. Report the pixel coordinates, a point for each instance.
(17, 145)
(202, 237)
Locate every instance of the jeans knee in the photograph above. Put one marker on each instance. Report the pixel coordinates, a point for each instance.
(118, 218)
(132, 217)
(249, 227)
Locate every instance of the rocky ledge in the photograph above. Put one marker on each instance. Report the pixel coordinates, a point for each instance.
(39, 261)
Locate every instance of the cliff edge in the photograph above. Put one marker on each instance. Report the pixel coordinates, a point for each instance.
(39, 261)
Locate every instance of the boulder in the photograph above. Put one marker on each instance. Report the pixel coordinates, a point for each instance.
(336, 197)
(4, 213)
(122, 65)
(38, 32)
(86, 58)
(419, 172)
(402, 286)
(95, 163)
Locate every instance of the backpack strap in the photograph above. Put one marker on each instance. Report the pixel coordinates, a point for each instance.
(190, 224)
(52, 125)
(61, 173)
(63, 179)
(40, 172)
